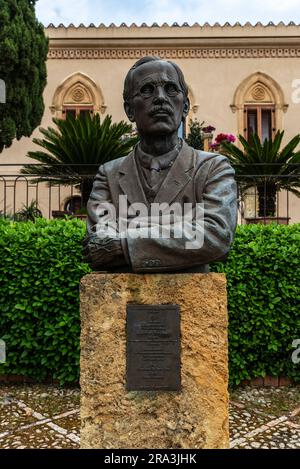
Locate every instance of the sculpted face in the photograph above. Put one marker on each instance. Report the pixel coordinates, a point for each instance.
(158, 102)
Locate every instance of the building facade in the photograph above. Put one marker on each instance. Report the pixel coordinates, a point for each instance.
(240, 78)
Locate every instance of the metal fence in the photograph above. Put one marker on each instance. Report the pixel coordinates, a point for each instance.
(259, 202)
(267, 193)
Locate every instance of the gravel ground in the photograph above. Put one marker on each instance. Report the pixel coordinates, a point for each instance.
(39, 416)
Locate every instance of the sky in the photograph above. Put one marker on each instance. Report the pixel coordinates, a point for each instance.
(169, 11)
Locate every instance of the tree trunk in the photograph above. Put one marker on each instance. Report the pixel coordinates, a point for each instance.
(266, 199)
(85, 189)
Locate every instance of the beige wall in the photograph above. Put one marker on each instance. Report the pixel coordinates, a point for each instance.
(213, 81)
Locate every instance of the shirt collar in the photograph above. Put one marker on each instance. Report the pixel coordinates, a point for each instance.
(160, 161)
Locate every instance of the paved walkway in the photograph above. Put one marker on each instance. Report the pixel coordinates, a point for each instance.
(48, 417)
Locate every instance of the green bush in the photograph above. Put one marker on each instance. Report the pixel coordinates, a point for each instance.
(40, 270)
(263, 279)
(41, 266)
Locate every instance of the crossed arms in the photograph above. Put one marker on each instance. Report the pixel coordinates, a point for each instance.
(216, 191)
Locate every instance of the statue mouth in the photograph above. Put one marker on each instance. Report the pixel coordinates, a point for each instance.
(161, 112)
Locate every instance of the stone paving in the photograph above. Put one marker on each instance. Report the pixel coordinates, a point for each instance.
(39, 416)
(266, 418)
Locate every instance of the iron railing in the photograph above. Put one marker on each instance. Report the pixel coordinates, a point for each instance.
(17, 191)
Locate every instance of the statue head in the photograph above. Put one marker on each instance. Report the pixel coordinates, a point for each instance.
(155, 96)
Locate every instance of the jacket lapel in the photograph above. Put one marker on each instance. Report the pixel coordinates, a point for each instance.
(178, 176)
(130, 182)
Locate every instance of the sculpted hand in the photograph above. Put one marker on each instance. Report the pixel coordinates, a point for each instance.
(103, 252)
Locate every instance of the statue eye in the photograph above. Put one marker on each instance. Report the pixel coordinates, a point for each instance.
(171, 89)
(147, 89)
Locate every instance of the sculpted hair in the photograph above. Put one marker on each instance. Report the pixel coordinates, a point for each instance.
(128, 83)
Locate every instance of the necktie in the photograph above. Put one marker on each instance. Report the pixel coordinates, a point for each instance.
(154, 172)
(155, 164)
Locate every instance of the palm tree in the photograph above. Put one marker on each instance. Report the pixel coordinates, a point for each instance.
(74, 151)
(272, 169)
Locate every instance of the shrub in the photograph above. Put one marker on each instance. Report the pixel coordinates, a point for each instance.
(263, 279)
(39, 300)
(195, 136)
(41, 267)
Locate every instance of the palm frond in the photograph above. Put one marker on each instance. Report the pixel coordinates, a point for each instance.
(266, 167)
(77, 147)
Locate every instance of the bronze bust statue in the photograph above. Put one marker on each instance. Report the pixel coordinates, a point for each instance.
(162, 171)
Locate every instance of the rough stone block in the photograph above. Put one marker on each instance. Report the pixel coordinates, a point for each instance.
(197, 416)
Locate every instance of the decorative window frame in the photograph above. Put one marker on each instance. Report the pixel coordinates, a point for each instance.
(258, 89)
(264, 90)
(75, 90)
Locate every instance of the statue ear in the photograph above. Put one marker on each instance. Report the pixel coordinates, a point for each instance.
(129, 111)
(186, 107)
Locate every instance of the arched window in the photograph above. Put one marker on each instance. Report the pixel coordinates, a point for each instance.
(259, 103)
(78, 94)
(72, 204)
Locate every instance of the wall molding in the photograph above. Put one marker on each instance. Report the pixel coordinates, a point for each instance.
(68, 53)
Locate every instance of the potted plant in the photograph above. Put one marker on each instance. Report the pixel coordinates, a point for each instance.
(266, 167)
(198, 135)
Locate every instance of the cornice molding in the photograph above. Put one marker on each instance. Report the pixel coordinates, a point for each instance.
(175, 25)
(182, 53)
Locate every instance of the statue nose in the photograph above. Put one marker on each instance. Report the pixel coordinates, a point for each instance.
(160, 94)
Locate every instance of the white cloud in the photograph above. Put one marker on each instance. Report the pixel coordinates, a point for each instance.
(202, 11)
(63, 11)
(160, 11)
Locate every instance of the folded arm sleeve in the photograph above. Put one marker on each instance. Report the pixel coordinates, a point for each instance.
(217, 228)
(100, 194)
(100, 199)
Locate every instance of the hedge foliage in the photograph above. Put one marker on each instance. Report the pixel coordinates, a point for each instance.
(263, 284)
(40, 270)
(41, 266)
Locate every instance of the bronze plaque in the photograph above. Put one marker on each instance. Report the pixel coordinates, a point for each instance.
(153, 348)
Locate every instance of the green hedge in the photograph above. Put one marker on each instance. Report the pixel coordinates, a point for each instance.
(40, 270)
(41, 266)
(263, 284)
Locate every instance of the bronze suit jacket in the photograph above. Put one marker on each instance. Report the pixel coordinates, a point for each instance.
(195, 177)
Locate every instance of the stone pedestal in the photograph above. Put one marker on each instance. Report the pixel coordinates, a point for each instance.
(196, 417)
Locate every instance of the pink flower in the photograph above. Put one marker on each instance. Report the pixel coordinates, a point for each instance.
(231, 138)
(209, 129)
(225, 137)
(221, 137)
